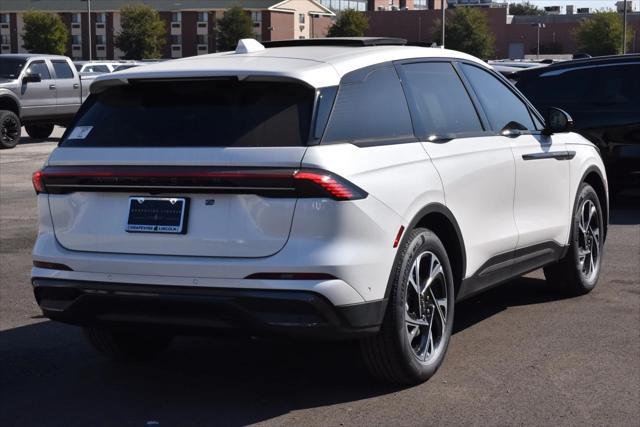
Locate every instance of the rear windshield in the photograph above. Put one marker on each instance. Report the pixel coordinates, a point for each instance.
(203, 113)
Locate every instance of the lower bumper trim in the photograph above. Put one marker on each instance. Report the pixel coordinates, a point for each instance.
(198, 309)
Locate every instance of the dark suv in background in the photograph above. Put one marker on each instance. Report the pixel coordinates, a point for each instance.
(603, 97)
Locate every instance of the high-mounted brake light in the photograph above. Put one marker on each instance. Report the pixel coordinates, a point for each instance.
(38, 183)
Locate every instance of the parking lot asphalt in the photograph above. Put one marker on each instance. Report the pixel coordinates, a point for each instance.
(520, 354)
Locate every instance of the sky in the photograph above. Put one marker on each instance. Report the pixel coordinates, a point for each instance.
(597, 4)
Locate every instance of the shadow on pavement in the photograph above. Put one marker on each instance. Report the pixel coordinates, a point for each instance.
(28, 140)
(199, 381)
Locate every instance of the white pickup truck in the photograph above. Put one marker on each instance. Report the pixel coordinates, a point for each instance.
(38, 92)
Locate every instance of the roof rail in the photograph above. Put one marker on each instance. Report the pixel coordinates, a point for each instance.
(338, 41)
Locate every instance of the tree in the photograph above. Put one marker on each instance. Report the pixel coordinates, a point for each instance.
(601, 34)
(350, 23)
(143, 32)
(525, 8)
(233, 26)
(467, 30)
(45, 33)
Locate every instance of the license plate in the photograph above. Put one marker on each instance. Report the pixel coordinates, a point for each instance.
(157, 215)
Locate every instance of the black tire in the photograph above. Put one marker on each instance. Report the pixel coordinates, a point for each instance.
(123, 346)
(391, 355)
(9, 129)
(39, 131)
(573, 274)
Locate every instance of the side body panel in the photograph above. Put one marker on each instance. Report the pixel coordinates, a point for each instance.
(38, 99)
(478, 176)
(542, 196)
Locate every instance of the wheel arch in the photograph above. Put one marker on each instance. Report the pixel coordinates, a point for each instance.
(7, 102)
(593, 177)
(441, 221)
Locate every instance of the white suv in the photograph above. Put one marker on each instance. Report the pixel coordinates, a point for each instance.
(341, 188)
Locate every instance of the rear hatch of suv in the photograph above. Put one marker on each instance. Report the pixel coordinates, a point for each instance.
(198, 167)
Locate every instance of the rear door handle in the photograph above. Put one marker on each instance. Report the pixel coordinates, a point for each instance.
(52, 87)
(76, 85)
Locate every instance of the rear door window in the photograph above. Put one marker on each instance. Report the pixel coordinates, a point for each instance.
(370, 107)
(62, 69)
(500, 104)
(200, 113)
(439, 102)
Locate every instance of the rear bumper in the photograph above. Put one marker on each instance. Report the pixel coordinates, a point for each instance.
(182, 309)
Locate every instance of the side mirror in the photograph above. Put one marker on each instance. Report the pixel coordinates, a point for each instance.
(557, 121)
(32, 78)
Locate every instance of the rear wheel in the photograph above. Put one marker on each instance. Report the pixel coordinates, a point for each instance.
(414, 336)
(39, 131)
(577, 273)
(122, 345)
(9, 129)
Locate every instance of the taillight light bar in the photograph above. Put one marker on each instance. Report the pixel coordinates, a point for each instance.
(268, 182)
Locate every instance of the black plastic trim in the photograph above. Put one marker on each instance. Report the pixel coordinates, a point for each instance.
(605, 206)
(428, 209)
(199, 309)
(509, 265)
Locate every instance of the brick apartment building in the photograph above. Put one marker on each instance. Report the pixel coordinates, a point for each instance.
(515, 36)
(190, 24)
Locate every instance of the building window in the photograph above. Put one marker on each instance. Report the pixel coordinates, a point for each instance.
(301, 18)
(76, 39)
(175, 39)
(203, 17)
(340, 5)
(5, 39)
(101, 18)
(101, 39)
(76, 18)
(176, 17)
(256, 16)
(4, 18)
(202, 39)
(420, 4)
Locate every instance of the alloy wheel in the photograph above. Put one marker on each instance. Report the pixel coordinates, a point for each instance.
(426, 307)
(588, 240)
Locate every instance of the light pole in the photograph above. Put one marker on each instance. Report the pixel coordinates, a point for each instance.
(624, 28)
(443, 3)
(538, 25)
(89, 20)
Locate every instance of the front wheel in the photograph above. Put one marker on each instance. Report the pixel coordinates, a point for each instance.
(415, 333)
(9, 129)
(39, 131)
(577, 273)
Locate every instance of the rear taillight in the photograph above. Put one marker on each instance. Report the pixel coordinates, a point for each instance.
(332, 185)
(38, 182)
(267, 182)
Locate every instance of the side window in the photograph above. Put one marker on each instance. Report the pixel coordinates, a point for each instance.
(370, 106)
(62, 69)
(39, 67)
(500, 104)
(439, 102)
